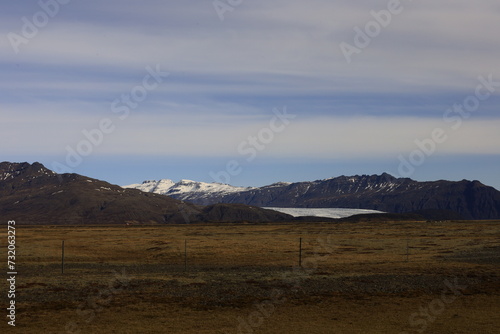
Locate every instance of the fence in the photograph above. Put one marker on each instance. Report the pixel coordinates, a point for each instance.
(264, 247)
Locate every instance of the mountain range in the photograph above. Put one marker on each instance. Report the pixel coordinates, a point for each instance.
(435, 199)
(33, 194)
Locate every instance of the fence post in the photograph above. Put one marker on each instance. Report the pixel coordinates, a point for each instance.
(407, 249)
(300, 252)
(185, 255)
(62, 258)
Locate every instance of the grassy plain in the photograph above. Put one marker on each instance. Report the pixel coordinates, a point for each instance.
(392, 277)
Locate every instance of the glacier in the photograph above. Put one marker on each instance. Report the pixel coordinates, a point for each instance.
(323, 212)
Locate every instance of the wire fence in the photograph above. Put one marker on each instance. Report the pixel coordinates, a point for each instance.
(327, 251)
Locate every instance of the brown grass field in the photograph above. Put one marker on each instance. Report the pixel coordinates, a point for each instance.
(393, 277)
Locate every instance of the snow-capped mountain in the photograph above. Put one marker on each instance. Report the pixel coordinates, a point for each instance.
(152, 186)
(188, 190)
(386, 193)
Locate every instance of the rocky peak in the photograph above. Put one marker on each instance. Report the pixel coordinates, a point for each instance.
(23, 170)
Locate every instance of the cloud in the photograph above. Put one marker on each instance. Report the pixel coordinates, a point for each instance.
(226, 76)
(216, 135)
(428, 46)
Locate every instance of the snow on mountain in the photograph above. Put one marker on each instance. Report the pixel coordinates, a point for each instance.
(185, 189)
(151, 186)
(184, 186)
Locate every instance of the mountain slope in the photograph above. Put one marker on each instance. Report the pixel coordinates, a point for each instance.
(32, 194)
(466, 199)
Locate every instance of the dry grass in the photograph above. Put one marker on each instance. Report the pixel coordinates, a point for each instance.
(356, 278)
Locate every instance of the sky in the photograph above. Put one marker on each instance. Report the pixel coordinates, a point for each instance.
(252, 92)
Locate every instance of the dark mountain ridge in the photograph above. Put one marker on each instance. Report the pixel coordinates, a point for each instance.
(32, 194)
(469, 199)
(454, 199)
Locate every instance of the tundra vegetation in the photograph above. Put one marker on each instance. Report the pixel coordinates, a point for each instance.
(356, 277)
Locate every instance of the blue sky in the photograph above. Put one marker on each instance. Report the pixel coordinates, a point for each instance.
(127, 91)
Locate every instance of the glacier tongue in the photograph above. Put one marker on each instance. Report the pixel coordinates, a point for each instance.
(323, 212)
